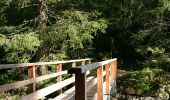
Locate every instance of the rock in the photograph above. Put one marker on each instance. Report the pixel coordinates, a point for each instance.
(148, 98)
(168, 88)
(120, 96)
(130, 90)
(139, 91)
(162, 94)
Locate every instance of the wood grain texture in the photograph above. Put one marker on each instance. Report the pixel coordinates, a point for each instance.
(31, 74)
(107, 79)
(6, 66)
(48, 90)
(100, 83)
(80, 86)
(19, 84)
(59, 78)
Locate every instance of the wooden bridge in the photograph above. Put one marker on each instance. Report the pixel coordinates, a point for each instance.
(85, 86)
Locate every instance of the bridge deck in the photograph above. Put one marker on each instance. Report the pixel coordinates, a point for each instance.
(91, 91)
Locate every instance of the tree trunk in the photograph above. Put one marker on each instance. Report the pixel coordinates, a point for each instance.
(41, 22)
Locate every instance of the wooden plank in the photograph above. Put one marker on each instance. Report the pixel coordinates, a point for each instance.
(80, 86)
(70, 93)
(88, 67)
(59, 78)
(5, 66)
(111, 72)
(105, 95)
(114, 69)
(107, 79)
(48, 90)
(82, 63)
(100, 83)
(89, 61)
(73, 65)
(19, 84)
(92, 93)
(31, 74)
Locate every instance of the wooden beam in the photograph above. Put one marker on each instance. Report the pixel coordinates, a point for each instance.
(19, 84)
(88, 67)
(107, 79)
(6, 66)
(100, 83)
(73, 65)
(80, 86)
(59, 78)
(70, 93)
(89, 61)
(82, 63)
(113, 70)
(31, 74)
(48, 90)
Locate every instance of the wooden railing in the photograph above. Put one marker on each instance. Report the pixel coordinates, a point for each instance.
(33, 79)
(81, 74)
(106, 71)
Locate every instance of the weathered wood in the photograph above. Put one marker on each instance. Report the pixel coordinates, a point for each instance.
(70, 93)
(73, 64)
(100, 83)
(113, 69)
(48, 90)
(5, 66)
(59, 78)
(88, 67)
(80, 86)
(89, 61)
(82, 63)
(107, 79)
(19, 84)
(31, 74)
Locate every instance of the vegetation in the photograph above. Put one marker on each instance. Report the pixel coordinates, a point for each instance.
(136, 32)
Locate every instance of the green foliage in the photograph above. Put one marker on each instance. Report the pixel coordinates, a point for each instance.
(19, 47)
(73, 31)
(148, 80)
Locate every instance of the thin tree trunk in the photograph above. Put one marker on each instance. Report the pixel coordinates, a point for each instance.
(41, 22)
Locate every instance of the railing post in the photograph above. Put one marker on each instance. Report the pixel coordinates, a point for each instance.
(89, 61)
(107, 79)
(59, 78)
(82, 62)
(73, 65)
(100, 83)
(113, 70)
(31, 74)
(80, 86)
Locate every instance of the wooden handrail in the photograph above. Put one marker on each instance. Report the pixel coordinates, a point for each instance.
(6, 66)
(19, 84)
(80, 77)
(32, 79)
(88, 67)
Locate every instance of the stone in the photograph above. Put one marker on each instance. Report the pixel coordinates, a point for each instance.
(139, 92)
(130, 90)
(162, 94)
(148, 98)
